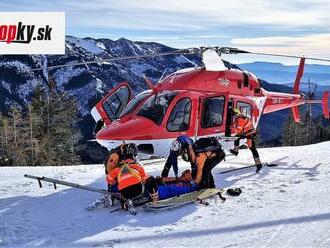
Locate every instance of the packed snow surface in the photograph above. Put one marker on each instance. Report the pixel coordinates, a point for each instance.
(283, 206)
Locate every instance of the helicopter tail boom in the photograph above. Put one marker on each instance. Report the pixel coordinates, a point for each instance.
(325, 104)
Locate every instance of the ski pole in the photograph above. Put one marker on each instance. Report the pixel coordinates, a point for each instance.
(236, 169)
(247, 167)
(69, 184)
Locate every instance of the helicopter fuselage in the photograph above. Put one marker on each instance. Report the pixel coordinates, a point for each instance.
(192, 102)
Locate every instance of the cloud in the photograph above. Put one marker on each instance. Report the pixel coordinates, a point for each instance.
(183, 15)
(314, 45)
(295, 26)
(318, 40)
(234, 12)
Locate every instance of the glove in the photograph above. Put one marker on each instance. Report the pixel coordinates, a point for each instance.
(234, 192)
(159, 180)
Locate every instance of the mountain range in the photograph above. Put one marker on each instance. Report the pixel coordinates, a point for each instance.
(278, 73)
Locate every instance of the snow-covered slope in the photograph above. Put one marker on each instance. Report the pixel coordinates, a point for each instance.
(284, 206)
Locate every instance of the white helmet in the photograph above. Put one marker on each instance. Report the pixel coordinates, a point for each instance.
(175, 146)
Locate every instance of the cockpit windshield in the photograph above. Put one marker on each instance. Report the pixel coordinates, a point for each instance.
(131, 106)
(156, 106)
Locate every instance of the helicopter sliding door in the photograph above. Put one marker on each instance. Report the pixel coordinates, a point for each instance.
(244, 105)
(229, 118)
(246, 108)
(111, 106)
(212, 114)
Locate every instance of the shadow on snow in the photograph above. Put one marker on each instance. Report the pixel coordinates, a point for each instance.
(61, 218)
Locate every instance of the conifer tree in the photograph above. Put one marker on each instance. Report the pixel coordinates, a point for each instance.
(4, 139)
(288, 132)
(309, 131)
(54, 115)
(17, 145)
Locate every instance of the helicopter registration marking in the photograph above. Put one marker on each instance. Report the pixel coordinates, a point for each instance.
(224, 81)
(277, 100)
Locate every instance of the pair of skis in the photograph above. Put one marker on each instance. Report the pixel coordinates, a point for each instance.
(200, 196)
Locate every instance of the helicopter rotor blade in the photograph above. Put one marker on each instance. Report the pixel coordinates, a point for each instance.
(193, 50)
(289, 56)
(233, 50)
(175, 52)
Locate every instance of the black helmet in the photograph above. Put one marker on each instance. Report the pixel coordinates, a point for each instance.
(129, 151)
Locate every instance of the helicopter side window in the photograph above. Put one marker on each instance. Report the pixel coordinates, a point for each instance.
(212, 114)
(156, 106)
(115, 103)
(131, 106)
(245, 109)
(179, 119)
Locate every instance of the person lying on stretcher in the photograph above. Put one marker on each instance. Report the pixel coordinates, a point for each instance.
(126, 175)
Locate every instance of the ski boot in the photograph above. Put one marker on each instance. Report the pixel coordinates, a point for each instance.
(258, 164)
(103, 201)
(129, 206)
(234, 151)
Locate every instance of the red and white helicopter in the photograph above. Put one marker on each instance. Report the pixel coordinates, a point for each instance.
(196, 102)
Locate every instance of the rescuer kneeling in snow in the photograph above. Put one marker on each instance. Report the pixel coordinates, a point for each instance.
(130, 178)
(203, 156)
(244, 129)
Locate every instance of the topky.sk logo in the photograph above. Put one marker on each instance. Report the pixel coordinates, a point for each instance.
(32, 33)
(21, 33)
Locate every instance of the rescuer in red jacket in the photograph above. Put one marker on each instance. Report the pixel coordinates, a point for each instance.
(245, 130)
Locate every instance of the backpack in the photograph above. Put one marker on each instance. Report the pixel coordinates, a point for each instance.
(207, 144)
(128, 176)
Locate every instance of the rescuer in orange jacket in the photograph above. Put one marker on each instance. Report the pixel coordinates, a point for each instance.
(129, 176)
(203, 155)
(244, 129)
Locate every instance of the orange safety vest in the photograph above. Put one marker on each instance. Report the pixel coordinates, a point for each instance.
(244, 126)
(200, 163)
(127, 175)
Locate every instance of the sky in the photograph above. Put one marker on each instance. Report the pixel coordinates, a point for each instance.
(296, 27)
